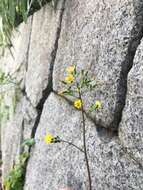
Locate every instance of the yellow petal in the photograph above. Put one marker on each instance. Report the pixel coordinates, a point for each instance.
(70, 69)
(48, 138)
(78, 103)
(98, 104)
(69, 78)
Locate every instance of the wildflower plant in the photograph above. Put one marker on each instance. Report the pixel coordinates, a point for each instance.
(16, 177)
(76, 83)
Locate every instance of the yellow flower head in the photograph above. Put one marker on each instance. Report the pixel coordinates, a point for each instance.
(69, 79)
(77, 103)
(70, 69)
(48, 138)
(98, 104)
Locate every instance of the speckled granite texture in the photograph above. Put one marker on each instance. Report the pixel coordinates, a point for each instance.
(104, 37)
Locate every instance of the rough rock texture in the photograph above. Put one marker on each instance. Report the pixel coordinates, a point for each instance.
(24, 123)
(41, 53)
(96, 36)
(15, 131)
(131, 127)
(15, 61)
(59, 165)
(13, 106)
(103, 37)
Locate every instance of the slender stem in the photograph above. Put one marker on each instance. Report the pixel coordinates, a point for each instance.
(84, 143)
(70, 143)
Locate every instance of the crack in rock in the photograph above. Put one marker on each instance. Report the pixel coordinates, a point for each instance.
(108, 132)
(22, 137)
(23, 91)
(30, 35)
(46, 92)
(136, 36)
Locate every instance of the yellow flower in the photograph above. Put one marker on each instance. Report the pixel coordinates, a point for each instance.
(69, 79)
(48, 138)
(77, 103)
(70, 69)
(98, 104)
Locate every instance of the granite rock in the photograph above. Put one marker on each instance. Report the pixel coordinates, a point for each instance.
(131, 126)
(104, 38)
(56, 166)
(15, 60)
(14, 132)
(41, 53)
(95, 36)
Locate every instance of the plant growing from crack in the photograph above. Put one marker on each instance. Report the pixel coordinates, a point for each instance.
(16, 177)
(76, 83)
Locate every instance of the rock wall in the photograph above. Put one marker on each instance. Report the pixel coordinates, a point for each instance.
(104, 37)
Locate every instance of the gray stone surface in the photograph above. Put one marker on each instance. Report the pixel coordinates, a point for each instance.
(41, 52)
(55, 166)
(131, 127)
(95, 35)
(15, 131)
(102, 37)
(15, 61)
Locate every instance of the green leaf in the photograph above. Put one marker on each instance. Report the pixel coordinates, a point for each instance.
(92, 108)
(12, 11)
(28, 142)
(23, 9)
(63, 82)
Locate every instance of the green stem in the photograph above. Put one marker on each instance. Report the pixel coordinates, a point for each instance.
(84, 143)
(70, 143)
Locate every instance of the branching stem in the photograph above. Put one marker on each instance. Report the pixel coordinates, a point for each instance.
(84, 142)
(70, 143)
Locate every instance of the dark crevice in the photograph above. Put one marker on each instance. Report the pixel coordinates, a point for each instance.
(46, 92)
(30, 35)
(126, 65)
(134, 42)
(49, 87)
(22, 137)
(27, 98)
(103, 129)
(23, 91)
